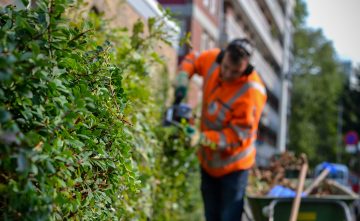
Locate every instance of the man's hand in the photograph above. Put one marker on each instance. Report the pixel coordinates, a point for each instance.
(197, 138)
(193, 135)
(180, 94)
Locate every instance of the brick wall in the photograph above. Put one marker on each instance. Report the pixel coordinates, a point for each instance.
(122, 14)
(214, 17)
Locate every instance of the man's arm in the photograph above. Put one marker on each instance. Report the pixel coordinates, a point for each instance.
(190, 65)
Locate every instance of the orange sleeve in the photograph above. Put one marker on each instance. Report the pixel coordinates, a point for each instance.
(192, 64)
(242, 128)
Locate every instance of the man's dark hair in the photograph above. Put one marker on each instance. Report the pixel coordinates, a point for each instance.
(239, 49)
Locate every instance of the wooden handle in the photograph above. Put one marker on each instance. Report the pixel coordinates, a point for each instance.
(300, 187)
(342, 188)
(316, 182)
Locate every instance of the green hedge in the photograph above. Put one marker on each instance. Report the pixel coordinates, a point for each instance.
(80, 130)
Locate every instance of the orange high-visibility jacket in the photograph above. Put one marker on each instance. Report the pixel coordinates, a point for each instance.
(230, 114)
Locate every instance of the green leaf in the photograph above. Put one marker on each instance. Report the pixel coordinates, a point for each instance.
(34, 169)
(50, 167)
(4, 116)
(22, 163)
(74, 143)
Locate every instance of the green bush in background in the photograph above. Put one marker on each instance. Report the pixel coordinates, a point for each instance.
(80, 127)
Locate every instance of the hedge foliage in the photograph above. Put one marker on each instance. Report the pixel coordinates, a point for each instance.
(80, 128)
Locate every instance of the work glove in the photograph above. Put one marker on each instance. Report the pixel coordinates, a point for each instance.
(181, 86)
(197, 138)
(180, 94)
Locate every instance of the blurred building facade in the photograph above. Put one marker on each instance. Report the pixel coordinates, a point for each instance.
(265, 22)
(350, 74)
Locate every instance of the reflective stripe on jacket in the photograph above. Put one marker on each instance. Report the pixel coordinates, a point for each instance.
(230, 114)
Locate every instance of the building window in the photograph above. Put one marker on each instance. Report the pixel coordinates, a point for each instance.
(207, 42)
(210, 5)
(204, 41)
(211, 43)
(206, 3)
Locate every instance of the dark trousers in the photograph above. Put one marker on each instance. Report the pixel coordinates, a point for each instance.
(224, 196)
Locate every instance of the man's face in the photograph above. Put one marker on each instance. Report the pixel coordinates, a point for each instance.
(230, 71)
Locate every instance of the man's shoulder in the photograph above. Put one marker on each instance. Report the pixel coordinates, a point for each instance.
(255, 76)
(211, 53)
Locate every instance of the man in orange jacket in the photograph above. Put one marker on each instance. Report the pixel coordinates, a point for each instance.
(233, 99)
